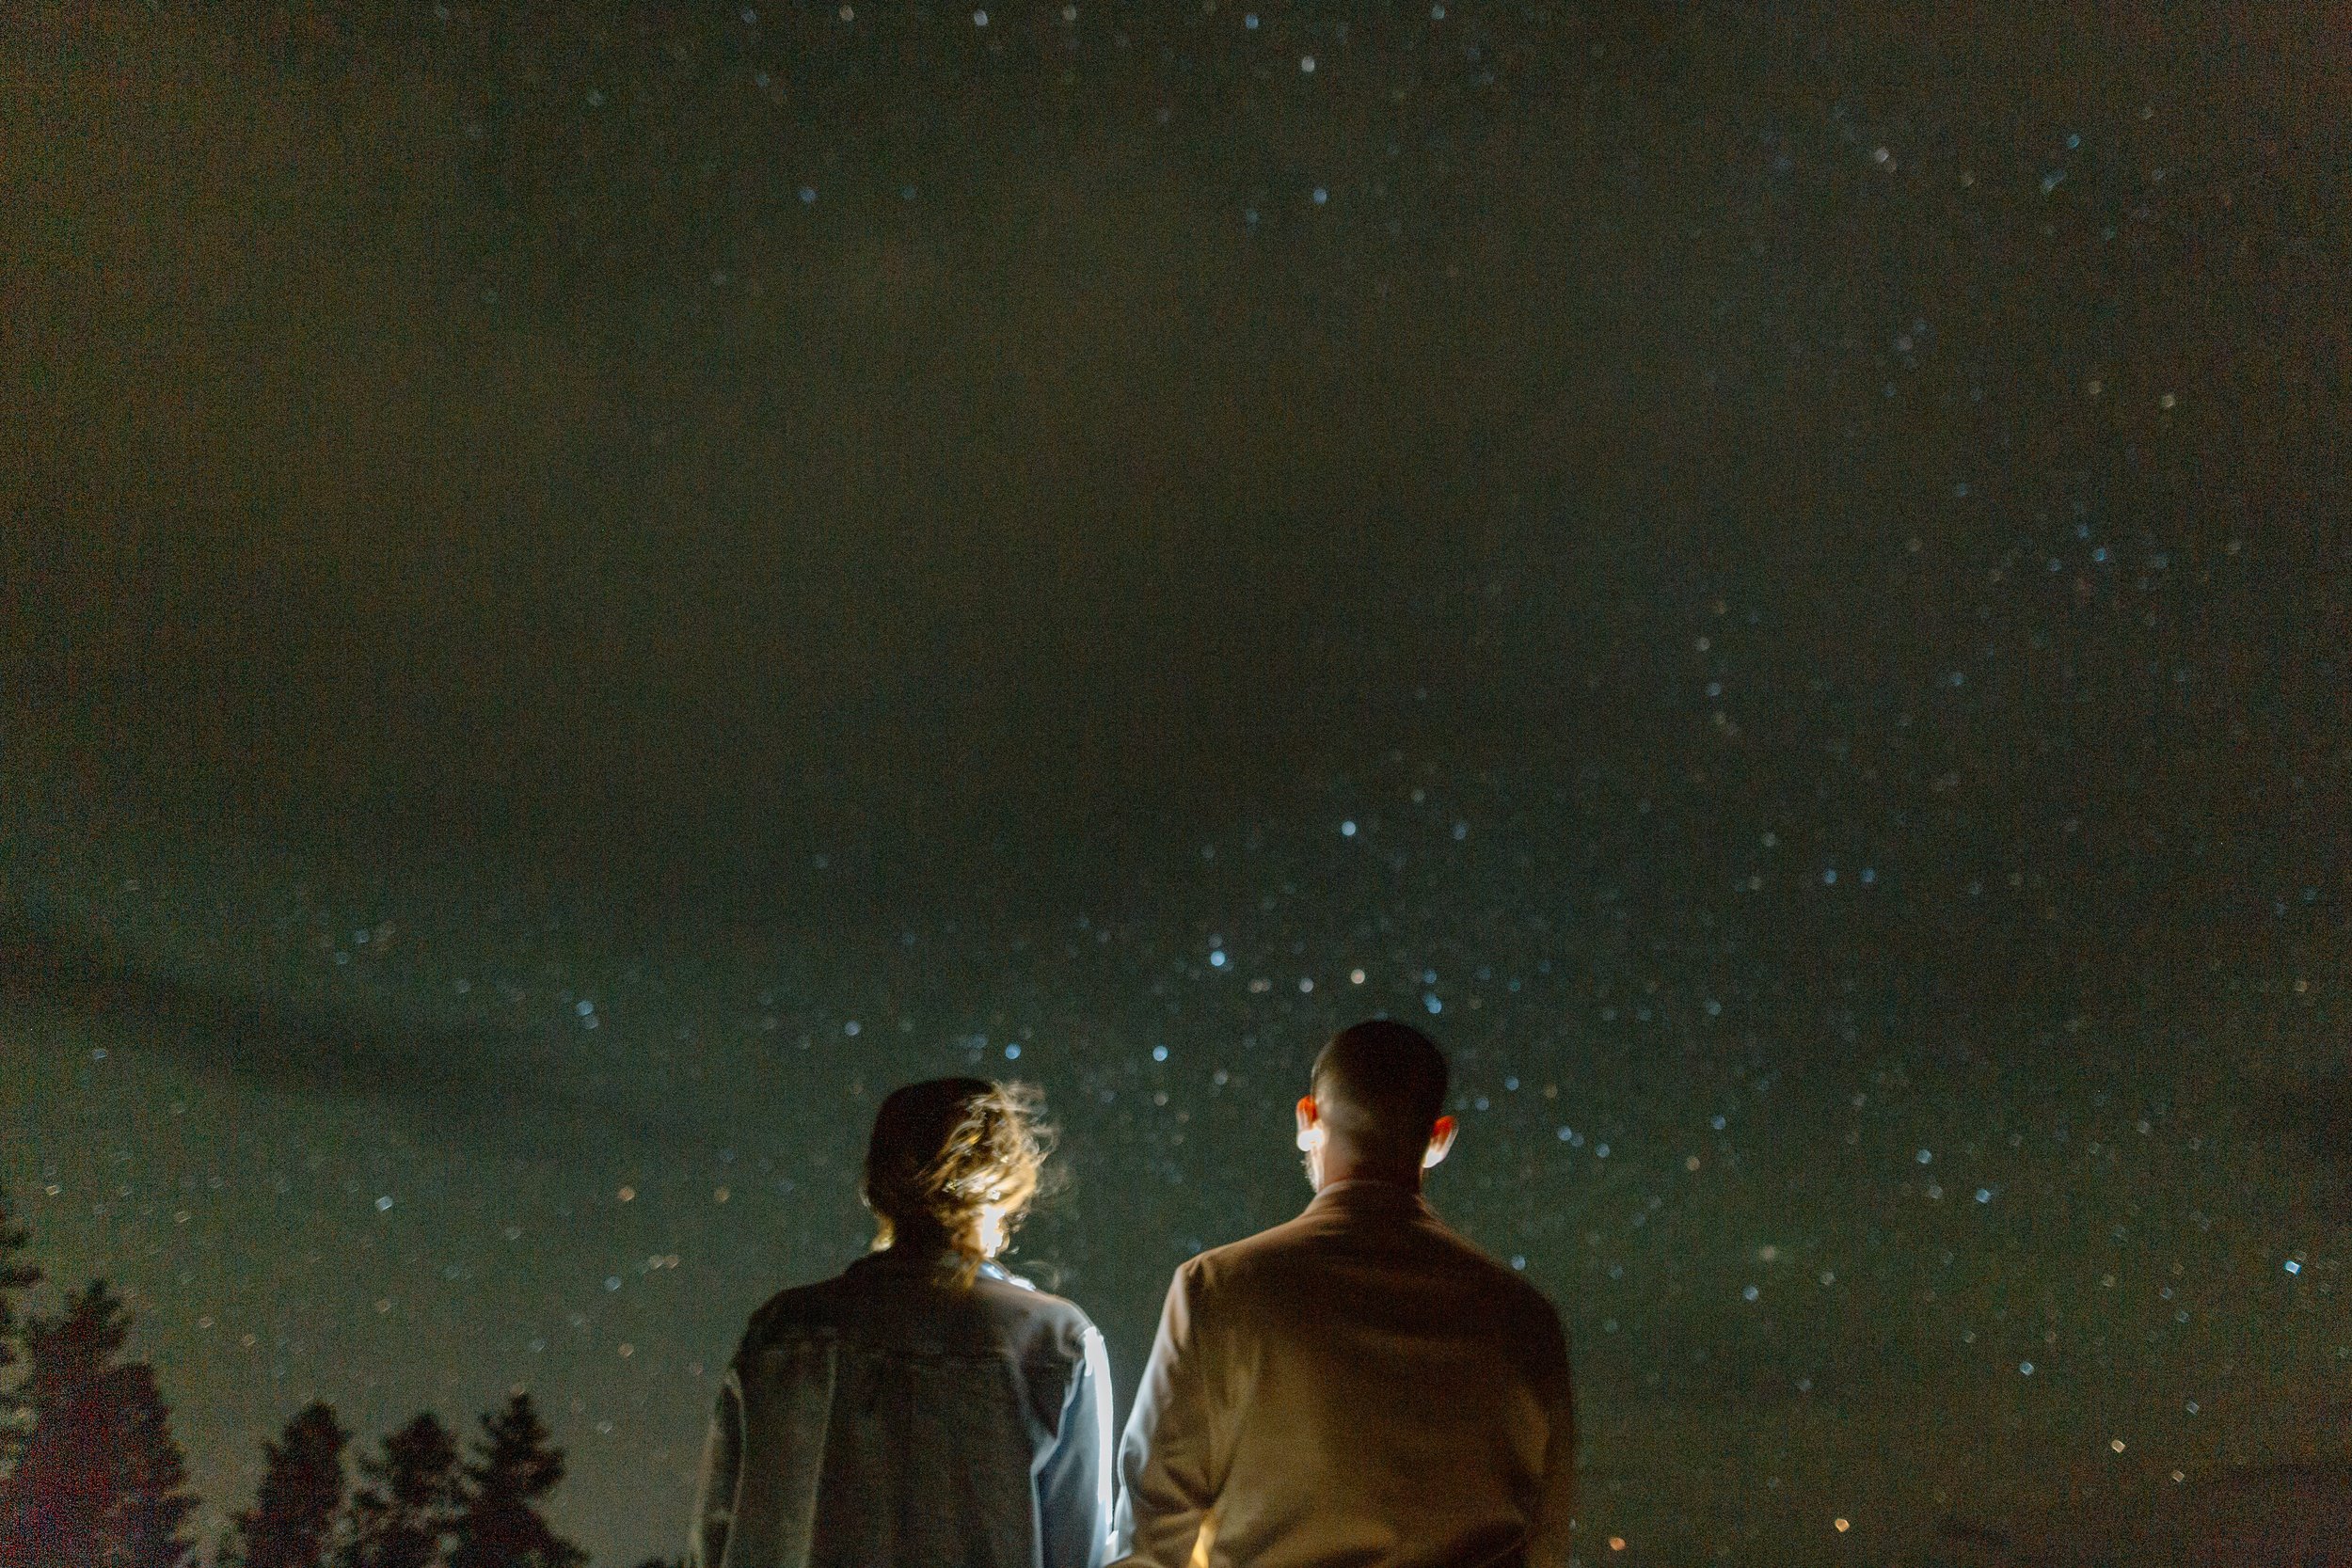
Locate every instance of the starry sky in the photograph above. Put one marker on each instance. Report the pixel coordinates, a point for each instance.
(586, 588)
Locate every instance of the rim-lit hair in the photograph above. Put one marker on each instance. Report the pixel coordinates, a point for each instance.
(956, 1159)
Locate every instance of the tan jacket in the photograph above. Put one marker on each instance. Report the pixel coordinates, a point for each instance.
(1357, 1388)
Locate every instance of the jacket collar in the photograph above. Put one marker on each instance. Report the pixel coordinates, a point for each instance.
(1369, 1196)
(913, 1254)
(921, 1257)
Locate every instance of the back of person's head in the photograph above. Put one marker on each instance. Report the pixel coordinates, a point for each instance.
(1380, 1085)
(955, 1160)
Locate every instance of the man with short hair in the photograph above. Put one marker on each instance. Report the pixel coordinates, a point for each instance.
(1359, 1388)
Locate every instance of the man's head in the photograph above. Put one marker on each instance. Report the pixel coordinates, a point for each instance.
(1375, 1107)
(955, 1162)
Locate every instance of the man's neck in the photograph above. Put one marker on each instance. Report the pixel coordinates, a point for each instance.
(1337, 1171)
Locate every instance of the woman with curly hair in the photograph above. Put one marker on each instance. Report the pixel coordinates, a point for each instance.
(924, 1408)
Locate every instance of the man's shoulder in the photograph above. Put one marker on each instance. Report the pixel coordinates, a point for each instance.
(1273, 1263)
(1278, 1261)
(1525, 1301)
(1519, 1297)
(1239, 1262)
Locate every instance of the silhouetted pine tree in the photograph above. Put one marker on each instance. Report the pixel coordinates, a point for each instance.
(151, 1531)
(406, 1505)
(99, 1481)
(15, 1276)
(291, 1522)
(513, 1468)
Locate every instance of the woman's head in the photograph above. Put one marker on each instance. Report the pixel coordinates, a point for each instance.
(958, 1161)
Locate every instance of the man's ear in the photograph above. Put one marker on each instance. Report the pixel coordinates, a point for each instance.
(1310, 1129)
(1442, 1133)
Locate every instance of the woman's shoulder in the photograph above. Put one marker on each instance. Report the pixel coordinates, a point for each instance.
(797, 1308)
(1035, 1316)
(998, 1312)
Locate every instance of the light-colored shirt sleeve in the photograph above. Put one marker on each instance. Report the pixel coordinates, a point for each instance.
(1549, 1534)
(1075, 1484)
(723, 1472)
(1168, 1467)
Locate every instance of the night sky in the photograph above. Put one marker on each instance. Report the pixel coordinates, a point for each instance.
(586, 588)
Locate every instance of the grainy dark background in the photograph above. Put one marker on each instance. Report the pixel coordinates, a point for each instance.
(1808, 545)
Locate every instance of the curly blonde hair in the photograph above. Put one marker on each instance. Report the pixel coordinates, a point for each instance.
(954, 1159)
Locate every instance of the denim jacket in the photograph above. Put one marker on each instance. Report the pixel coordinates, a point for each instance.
(894, 1417)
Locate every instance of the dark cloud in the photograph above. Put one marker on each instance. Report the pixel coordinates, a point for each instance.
(472, 1084)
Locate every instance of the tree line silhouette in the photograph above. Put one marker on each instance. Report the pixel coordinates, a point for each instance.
(91, 1477)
